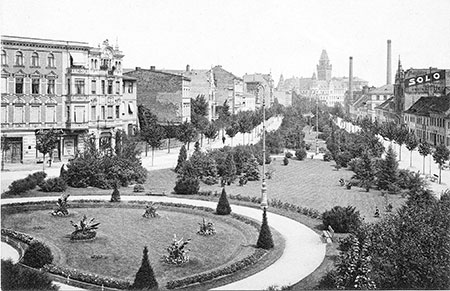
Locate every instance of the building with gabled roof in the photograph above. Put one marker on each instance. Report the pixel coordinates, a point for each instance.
(229, 88)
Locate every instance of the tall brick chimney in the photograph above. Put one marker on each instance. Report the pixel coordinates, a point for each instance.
(388, 73)
(350, 79)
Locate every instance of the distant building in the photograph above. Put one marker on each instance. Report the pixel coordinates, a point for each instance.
(202, 84)
(166, 94)
(229, 88)
(65, 85)
(261, 86)
(323, 86)
(283, 97)
(365, 105)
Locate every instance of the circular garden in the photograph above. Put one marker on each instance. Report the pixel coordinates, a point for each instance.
(123, 232)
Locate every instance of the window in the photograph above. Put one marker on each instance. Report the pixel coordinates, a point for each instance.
(18, 114)
(110, 111)
(19, 85)
(103, 87)
(35, 60)
(51, 60)
(117, 111)
(94, 87)
(68, 86)
(79, 114)
(93, 112)
(79, 86)
(130, 87)
(51, 86)
(103, 112)
(50, 113)
(35, 114)
(4, 63)
(117, 87)
(110, 87)
(34, 86)
(3, 85)
(19, 59)
(4, 114)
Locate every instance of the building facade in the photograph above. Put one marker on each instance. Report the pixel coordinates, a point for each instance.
(229, 88)
(167, 95)
(63, 85)
(261, 86)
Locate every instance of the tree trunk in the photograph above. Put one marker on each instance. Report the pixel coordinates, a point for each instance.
(400, 153)
(146, 149)
(430, 164)
(440, 168)
(410, 158)
(168, 145)
(43, 163)
(424, 165)
(153, 154)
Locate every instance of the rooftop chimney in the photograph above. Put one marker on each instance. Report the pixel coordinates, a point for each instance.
(388, 73)
(152, 68)
(138, 68)
(188, 68)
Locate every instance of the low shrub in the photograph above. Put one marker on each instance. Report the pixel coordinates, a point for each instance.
(288, 155)
(39, 177)
(87, 277)
(21, 186)
(343, 158)
(308, 146)
(342, 219)
(23, 237)
(17, 277)
(354, 164)
(115, 196)
(187, 185)
(209, 180)
(138, 188)
(286, 161)
(327, 156)
(56, 184)
(300, 154)
(37, 255)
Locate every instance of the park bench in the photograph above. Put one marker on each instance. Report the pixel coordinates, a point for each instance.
(433, 178)
(328, 234)
(156, 192)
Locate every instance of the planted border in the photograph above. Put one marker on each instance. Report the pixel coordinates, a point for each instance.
(124, 284)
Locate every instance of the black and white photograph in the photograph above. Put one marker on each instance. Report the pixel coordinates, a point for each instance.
(225, 145)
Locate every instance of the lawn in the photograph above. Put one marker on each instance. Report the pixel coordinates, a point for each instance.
(123, 233)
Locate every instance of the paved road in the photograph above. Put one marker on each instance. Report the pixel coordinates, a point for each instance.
(303, 253)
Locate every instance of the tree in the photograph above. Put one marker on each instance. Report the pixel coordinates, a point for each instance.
(5, 147)
(182, 157)
(145, 277)
(232, 130)
(388, 172)
(171, 132)
(211, 131)
(186, 133)
(17, 277)
(424, 150)
(388, 130)
(411, 144)
(151, 132)
(265, 240)
(365, 172)
(37, 255)
(401, 137)
(440, 156)
(245, 124)
(46, 143)
(223, 206)
(229, 174)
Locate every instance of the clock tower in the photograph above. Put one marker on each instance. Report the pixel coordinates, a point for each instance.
(324, 67)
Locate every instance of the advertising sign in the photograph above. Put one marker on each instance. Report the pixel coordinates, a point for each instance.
(427, 78)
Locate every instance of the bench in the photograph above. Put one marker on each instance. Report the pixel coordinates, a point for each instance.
(156, 192)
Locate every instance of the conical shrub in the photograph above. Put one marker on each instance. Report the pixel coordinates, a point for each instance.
(115, 196)
(223, 207)
(265, 240)
(145, 278)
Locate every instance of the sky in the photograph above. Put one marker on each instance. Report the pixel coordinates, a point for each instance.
(248, 36)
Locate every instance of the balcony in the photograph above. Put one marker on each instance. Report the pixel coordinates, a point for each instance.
(77, 125)
(107, 123)
(78, 99)
(79, 70)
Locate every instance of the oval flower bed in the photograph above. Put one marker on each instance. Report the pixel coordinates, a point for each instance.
(225, 253)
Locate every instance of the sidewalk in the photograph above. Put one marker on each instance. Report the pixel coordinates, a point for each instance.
(303, 253)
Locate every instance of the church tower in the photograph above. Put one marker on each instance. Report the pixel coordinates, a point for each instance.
(324, 67)
(399, 89)
(280, 85)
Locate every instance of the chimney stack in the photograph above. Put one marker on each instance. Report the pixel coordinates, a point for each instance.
(152, 68)
(188, 68)
(388, 73)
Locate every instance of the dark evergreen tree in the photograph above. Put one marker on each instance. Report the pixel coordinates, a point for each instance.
(229, 174)
(182, 157)
(145, 278)
(18, 277)
(265, 240)
(365, 172)
(388, 172)
(37, 255)
(223, 206)
(115, 196)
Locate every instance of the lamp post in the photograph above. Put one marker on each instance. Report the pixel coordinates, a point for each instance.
(317, 124)
(263, 186)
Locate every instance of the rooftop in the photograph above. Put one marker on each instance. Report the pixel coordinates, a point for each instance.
(426, 105)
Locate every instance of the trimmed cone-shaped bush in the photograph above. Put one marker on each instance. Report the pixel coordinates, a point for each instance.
(115, 196)
(145, 278)
(265, 240)
(223, 207)
(37, 255)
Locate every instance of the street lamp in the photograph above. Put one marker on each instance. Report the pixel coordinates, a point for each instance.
(264, 204)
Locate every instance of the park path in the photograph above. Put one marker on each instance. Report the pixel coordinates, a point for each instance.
(304, 250)
(412, 161)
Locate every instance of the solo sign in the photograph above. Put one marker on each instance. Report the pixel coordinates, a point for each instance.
(428, 78)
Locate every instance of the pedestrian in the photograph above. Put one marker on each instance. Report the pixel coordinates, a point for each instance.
(223, 139)
(377, 212)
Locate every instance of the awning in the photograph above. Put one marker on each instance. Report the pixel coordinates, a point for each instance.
(78, 58)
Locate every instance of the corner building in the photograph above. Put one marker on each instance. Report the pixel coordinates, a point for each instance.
(65, 85)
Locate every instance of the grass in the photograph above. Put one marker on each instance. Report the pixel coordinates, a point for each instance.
(125, 227)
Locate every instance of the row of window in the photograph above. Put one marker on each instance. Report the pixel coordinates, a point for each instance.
(105, 64)
(106, 88)
(34, 61)
(19, 86)
(432, 121)
(18, 113)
